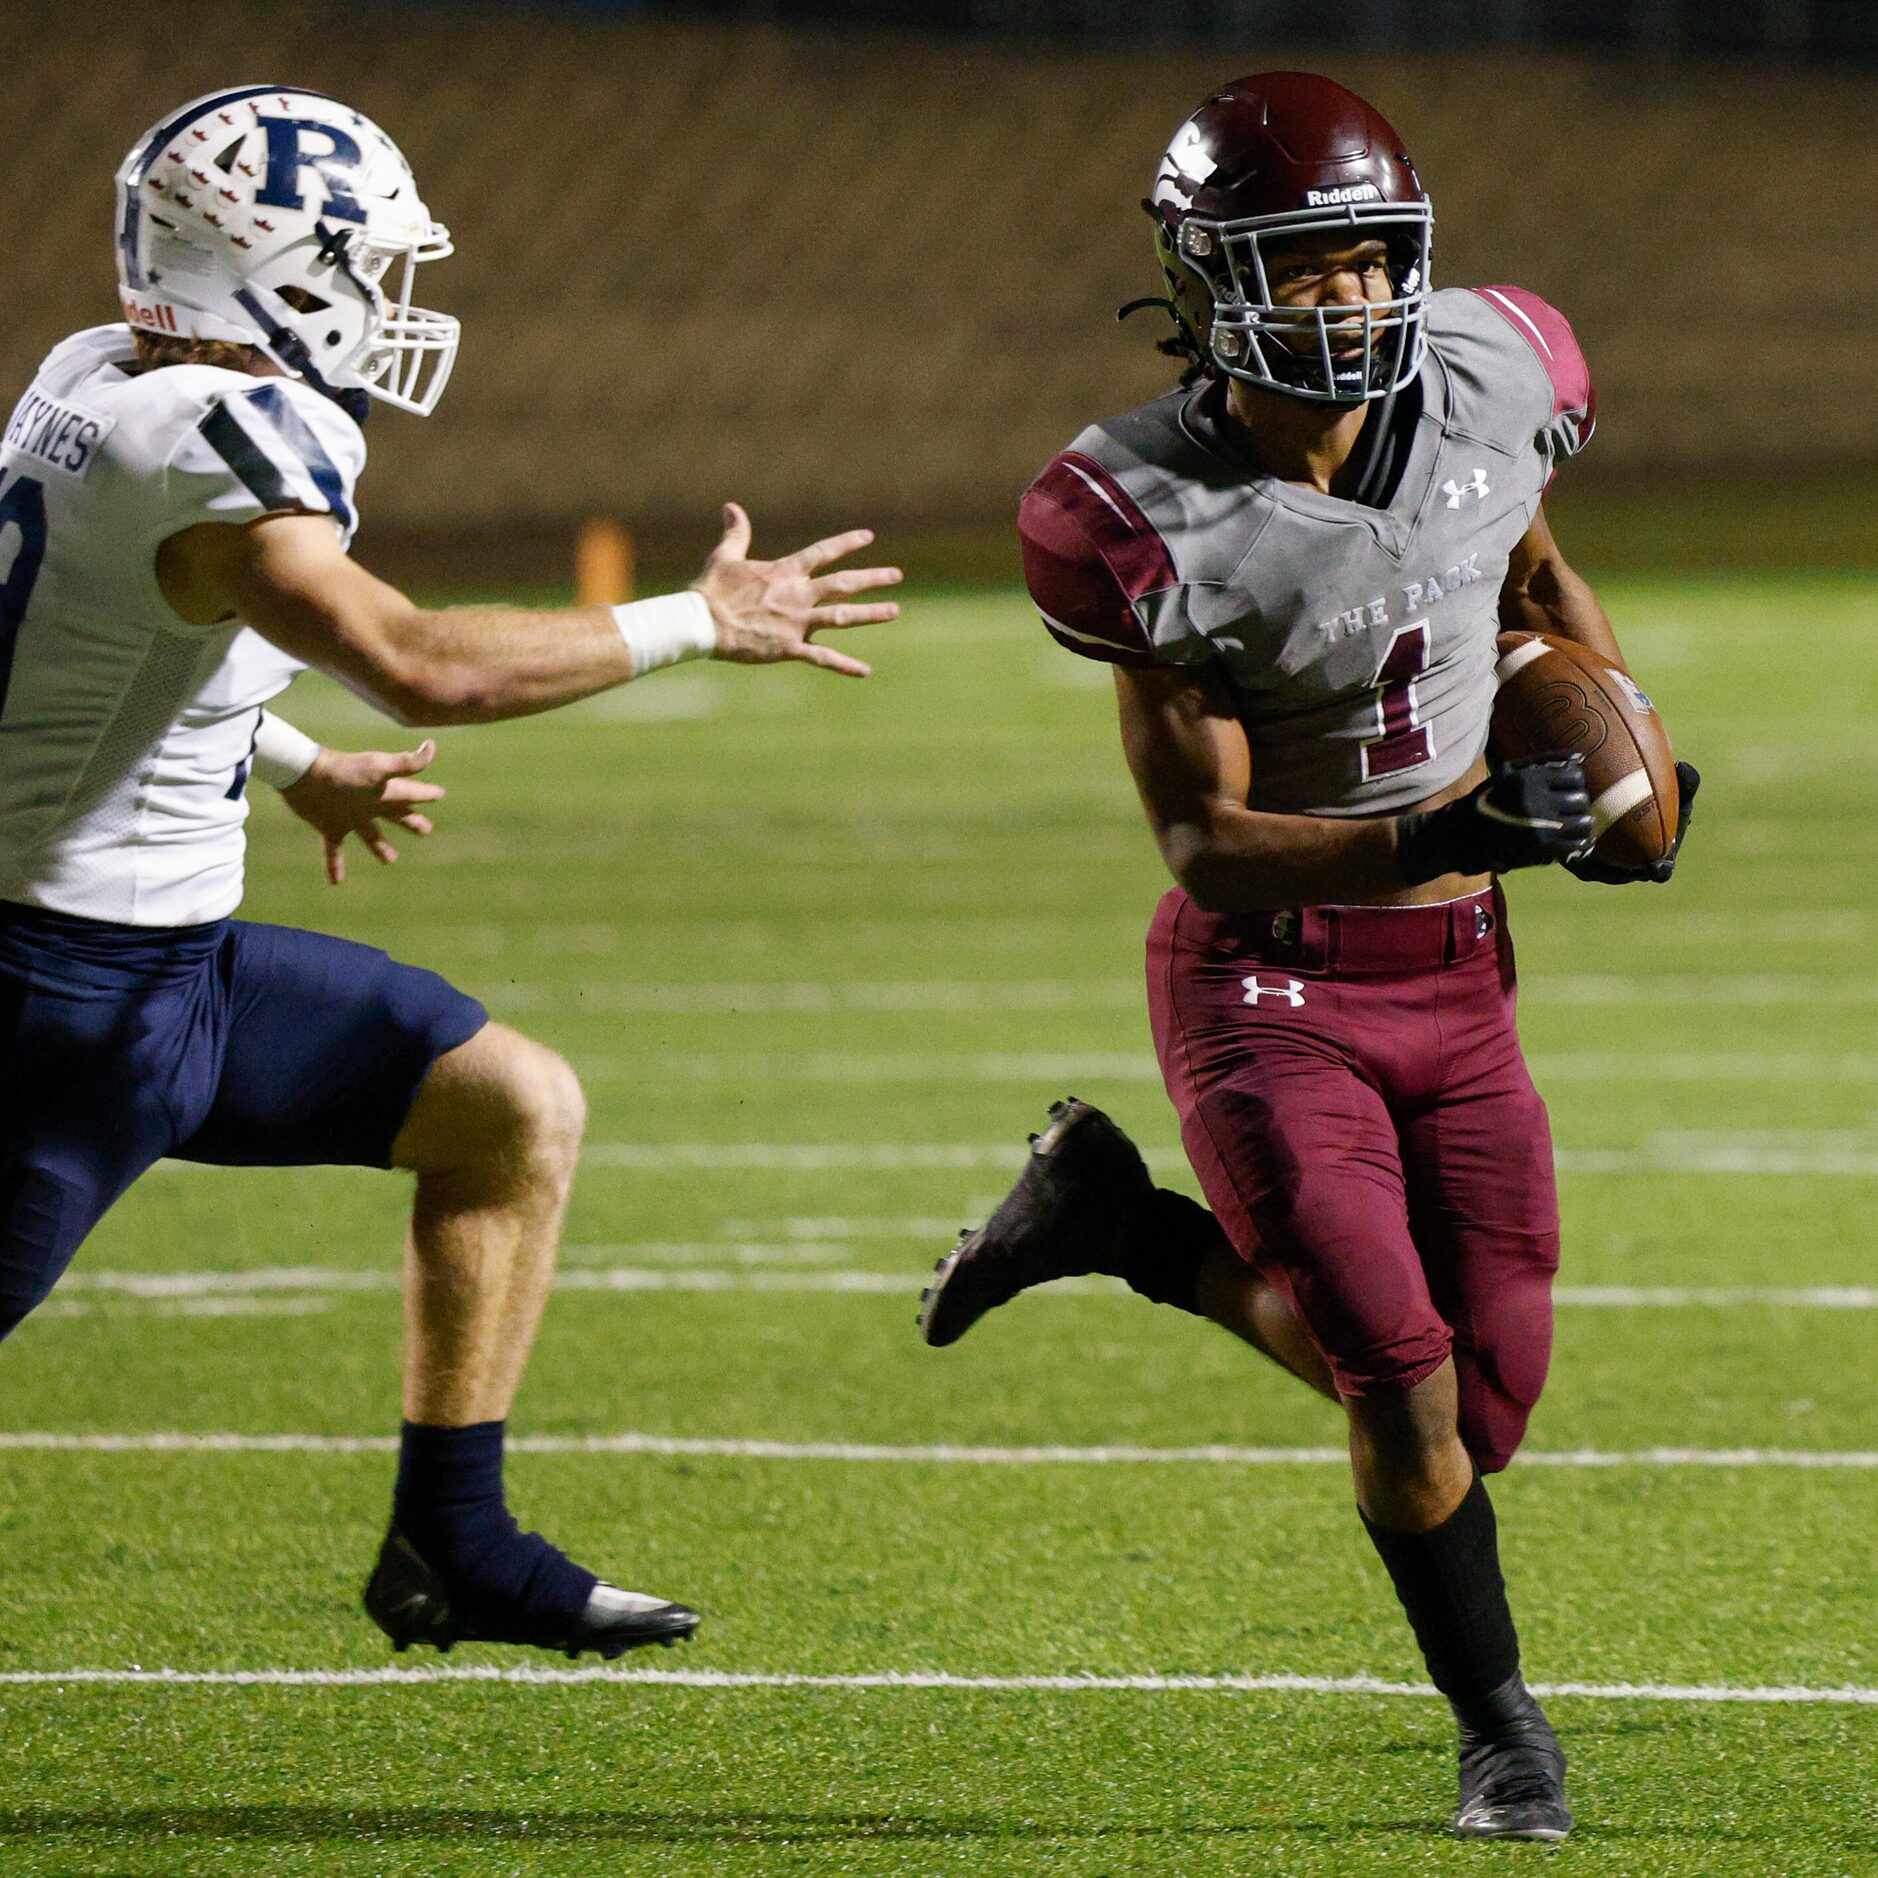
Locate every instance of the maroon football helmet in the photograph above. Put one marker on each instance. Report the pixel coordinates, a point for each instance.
(1263, 161)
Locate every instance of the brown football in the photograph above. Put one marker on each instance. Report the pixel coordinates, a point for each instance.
(1557, 698)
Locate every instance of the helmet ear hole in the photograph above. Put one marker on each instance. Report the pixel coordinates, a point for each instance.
(302, 300)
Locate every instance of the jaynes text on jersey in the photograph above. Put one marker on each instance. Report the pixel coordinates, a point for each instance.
(55, 434)
(1417, 597)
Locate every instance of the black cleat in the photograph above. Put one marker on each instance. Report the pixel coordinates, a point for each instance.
(1513, 1779)
(408, 1601)
(1069, 1214)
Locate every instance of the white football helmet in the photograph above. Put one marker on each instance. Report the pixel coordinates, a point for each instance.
(278, 219)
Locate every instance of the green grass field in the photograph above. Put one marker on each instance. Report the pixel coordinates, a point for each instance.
(823, 953)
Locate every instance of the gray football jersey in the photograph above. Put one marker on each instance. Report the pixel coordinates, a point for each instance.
(1356, 642)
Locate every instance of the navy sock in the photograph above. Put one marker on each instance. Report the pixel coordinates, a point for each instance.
(449, 1504)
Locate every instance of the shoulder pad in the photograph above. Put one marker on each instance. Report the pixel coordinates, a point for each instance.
(250, 447)
(1089, 555)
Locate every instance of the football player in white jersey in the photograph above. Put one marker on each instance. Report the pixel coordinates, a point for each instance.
(176, 503)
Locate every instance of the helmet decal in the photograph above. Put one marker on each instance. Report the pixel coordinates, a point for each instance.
(337, 166)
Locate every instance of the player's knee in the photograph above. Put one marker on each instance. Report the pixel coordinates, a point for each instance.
(547, 1108)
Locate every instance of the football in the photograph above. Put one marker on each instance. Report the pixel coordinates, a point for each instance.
(1557, 698)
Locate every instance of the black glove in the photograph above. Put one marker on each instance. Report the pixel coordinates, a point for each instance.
(1521, 816)
(1589, 867)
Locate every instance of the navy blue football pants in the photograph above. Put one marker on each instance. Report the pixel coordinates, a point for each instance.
(231, 1043)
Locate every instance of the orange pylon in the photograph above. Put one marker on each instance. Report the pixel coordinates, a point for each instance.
(603, 562)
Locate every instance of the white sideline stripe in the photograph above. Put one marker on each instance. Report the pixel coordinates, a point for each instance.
(936, 1454)
(319, 1278)
(530, 1676)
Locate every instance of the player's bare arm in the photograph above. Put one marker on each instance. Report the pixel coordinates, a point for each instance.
(1192, 764)
(1544, 593)
(291, 579)
(1190, 761)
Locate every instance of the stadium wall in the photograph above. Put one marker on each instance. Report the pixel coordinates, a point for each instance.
(841, 275)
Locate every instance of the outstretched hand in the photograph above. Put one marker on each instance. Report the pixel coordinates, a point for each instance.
(767, 611)
(350, 792)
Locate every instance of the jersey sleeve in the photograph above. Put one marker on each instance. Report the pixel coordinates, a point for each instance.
(1090, 556)
(1573, 416)
(276, 447)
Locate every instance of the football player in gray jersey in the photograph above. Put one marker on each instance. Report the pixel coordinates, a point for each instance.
(1298, 564)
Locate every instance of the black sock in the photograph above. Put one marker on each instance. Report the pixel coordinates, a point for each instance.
(1450, 1585)
(449, 1504)
(1166, 1245)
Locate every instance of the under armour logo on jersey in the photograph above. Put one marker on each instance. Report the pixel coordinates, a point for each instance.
(1288, 990)
(1475, 485)
(287, 156)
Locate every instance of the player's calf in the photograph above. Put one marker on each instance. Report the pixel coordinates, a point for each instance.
(1084, 1203)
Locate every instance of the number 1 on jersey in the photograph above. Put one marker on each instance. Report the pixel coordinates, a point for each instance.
(22, 548)
(1402, 741)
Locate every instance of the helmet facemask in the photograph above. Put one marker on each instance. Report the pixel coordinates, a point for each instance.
(407, 351)
(1222, 292)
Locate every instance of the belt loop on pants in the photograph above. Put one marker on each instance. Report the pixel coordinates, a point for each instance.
(1470, 926)
(1309, 934)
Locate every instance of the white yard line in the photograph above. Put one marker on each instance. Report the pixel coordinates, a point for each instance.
(530, 1676)
(763, 997)
(268, 1279)
(1068, 1068)
(929, 1454)
(1827, 1155)
(1823, 1154)
(767, 998)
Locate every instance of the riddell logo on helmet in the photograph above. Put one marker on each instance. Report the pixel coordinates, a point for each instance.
(157, 319)
(1335, 198)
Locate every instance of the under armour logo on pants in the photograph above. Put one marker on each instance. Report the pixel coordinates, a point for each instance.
(1291, 990)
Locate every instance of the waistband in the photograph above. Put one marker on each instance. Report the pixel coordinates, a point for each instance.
(1381, 939)
(66, 952)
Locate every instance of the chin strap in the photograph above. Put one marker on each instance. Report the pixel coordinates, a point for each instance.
(291, 350)
(1180, 345)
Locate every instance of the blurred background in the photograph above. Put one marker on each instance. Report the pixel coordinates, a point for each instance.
(859, 262)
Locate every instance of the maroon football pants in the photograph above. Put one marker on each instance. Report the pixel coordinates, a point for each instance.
(1352, 1096)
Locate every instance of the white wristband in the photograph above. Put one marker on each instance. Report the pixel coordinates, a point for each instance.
(282, 755)
(661, 632)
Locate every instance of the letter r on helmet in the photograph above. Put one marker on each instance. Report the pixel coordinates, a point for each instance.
(1286, 990)
(287, 155)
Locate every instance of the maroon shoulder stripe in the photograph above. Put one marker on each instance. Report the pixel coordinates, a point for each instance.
(1110, 517)
(1089, 554)
(1547, 331)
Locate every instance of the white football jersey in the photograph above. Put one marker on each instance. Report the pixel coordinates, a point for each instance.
(125, 733)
